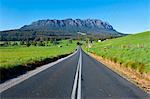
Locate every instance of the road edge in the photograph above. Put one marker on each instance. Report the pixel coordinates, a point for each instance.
(111, 67)
(12, 82)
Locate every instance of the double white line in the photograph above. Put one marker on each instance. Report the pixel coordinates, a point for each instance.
(76, 92)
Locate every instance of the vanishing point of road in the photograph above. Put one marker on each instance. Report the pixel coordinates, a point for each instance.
(76, 77)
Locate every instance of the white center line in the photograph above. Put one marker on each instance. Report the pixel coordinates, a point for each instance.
(79, 84)
(76, 92)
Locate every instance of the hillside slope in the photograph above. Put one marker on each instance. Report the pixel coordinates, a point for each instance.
(132, 51)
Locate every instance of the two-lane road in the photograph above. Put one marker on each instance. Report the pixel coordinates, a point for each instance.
(97, 82)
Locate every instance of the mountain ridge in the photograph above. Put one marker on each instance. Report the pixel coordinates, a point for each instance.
(71, 25)
(66, 28)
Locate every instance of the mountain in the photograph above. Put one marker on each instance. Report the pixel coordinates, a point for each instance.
(61, 28)
(72, 26)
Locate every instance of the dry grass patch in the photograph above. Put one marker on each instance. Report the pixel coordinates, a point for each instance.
(140, 79)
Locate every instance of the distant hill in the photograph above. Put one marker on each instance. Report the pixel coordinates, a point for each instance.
(67, 27)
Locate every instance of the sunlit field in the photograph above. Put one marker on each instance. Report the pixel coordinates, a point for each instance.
(12, 56)
(132, 51)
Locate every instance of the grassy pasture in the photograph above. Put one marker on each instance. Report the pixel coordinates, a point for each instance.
(133, 51)
(12, 56)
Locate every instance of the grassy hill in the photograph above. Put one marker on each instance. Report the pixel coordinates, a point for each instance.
(133, 51)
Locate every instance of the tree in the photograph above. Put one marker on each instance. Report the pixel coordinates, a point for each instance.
(34, 43)
(28, 43)
(22, 43)
(14, 43)
(40, 43)
(78, 43)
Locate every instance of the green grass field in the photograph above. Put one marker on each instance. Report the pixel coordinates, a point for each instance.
(133, 51)
(18, 55)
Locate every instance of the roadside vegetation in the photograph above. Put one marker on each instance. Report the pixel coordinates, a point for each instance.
(29, 55)
(132, 51)
(17, 54)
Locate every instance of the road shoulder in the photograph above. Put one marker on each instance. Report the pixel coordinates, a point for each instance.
(137, 79)
(12, 82)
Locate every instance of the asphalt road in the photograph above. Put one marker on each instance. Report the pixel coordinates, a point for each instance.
(97, 82)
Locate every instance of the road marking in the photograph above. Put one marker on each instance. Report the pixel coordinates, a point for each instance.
(8, 84)
(76, 92)
(73, 95)
(79, 84)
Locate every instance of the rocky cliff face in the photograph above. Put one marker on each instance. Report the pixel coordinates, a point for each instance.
(61, 29)
(72, 26)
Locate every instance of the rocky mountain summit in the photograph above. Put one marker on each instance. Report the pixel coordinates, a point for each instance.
(72, 26)
(62, 29)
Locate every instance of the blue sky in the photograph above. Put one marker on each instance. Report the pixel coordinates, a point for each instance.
(127, 16)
